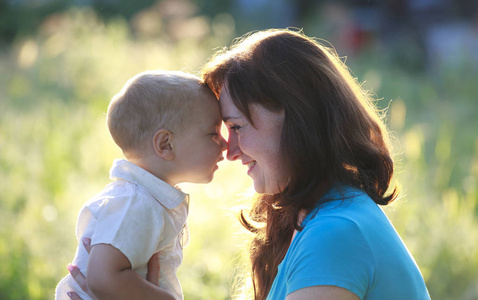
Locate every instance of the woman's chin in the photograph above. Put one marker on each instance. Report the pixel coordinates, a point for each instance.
(261, 189)
(258, 188)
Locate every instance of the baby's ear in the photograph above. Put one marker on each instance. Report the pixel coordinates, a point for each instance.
(162, 144)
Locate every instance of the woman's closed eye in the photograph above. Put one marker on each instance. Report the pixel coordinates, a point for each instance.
(236, 128)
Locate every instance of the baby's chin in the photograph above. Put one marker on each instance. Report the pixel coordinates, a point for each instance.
(202, 178)
(205, 180)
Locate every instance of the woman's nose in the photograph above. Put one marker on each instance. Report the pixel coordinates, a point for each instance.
(233, 150)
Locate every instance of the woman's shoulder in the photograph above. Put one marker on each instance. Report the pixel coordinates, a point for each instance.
(348, 212)
(343, 202)
(352, 215)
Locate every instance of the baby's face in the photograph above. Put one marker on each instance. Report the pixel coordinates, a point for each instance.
(200, 145)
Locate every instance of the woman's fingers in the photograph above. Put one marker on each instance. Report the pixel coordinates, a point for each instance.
(78, 277)
(76, 273)
(73, 296)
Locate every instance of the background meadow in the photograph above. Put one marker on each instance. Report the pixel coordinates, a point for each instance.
(60, 65)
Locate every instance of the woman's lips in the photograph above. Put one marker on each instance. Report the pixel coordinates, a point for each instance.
(250, 166)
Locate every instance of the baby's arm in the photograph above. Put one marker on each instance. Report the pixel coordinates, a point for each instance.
(109, 276)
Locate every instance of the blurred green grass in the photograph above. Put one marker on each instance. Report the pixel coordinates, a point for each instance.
(56, 153)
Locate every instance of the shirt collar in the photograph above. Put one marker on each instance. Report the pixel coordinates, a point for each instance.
(163, 192)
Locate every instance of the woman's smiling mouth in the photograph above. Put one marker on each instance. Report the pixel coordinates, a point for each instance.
(250, 166)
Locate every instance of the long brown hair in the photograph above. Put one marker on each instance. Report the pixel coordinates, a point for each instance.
(332, 133)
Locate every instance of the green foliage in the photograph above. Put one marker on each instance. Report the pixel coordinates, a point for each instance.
(433, 118)
(56, 153)
(23, 18)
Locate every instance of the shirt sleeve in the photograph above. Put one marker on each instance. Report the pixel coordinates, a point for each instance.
(133, 225)
(330, 251)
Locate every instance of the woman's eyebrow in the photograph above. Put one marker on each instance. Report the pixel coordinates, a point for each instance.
(227, 118)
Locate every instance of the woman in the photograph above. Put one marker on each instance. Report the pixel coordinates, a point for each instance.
(319, 156)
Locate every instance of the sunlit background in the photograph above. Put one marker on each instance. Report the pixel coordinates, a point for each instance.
(62, 60)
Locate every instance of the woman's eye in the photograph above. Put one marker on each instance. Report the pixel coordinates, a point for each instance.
(235, 128)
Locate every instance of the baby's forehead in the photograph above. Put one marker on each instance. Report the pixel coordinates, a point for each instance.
(205, 95)
(202, 102)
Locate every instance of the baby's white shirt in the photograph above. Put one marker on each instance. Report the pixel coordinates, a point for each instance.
(139, 214)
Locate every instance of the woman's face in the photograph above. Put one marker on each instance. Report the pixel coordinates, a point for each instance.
(258, 146)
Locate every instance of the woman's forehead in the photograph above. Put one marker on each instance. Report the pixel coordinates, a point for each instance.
(229, 110)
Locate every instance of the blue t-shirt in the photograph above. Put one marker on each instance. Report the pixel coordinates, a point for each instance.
(350, 243)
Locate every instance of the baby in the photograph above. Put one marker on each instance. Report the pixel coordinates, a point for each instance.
(168, 125)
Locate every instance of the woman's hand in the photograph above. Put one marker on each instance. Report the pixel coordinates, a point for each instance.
(78, 276)
(153, 272)
(81, 280)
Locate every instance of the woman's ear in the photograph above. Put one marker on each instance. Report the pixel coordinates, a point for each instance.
(162, 144)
